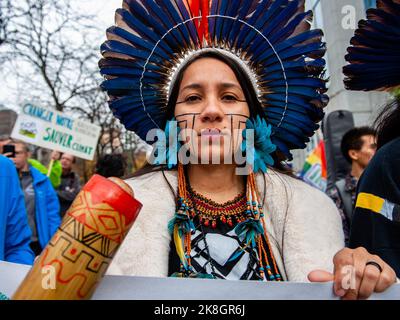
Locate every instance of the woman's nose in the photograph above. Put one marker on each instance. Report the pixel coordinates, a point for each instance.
(212, 111)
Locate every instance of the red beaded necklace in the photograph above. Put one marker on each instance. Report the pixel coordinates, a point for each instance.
(210, 213)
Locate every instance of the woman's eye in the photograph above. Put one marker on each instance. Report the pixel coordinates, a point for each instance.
(229, 98)
(192, 99)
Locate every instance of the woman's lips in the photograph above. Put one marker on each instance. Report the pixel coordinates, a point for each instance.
(214, 132)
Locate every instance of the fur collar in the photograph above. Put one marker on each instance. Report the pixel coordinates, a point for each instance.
(304, 227)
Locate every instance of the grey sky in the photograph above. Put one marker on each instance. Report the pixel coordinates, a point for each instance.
(104, 10)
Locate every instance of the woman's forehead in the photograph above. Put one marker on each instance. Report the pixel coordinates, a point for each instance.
(209, 71)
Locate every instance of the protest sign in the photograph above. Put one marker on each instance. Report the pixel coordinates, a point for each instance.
(54, 130)
(151, 288)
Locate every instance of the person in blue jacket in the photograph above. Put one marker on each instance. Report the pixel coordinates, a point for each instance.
(41, 201)
(15, 234)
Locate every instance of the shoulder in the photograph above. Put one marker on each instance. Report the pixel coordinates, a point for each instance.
(5, 161)
(6, 166)
(295, 189)
(292, 201)
(155, 188)
(382, 176)
(153, 180)
(389, 154)
(38, 177)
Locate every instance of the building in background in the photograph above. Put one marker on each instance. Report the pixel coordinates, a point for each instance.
(339, 19)
(7, 120)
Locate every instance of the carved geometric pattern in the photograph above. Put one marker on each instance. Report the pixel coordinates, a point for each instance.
(99, 217)
(79, 255)
(99, 243)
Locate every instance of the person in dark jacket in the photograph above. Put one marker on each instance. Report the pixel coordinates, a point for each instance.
(15, 234)
(376, 222)
(70, 183)
(42, 205)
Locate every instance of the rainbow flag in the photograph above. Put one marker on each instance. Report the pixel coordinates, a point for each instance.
(314, 170)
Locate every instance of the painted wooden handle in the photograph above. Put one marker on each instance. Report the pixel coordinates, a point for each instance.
(78, 255)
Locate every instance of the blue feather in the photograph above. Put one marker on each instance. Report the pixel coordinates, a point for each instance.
(244, 32)
(373, 58)
(292, 121)
(288, 30)
(263, 19)
(223, 4)
(176, 18)
(212, 21)
(243, 12)
(137, 41)
(150, 20)
(230, 12)
(147, 33)
(163, 20)
(186, 17)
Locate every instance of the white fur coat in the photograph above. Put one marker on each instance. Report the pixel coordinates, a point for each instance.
(304, 227)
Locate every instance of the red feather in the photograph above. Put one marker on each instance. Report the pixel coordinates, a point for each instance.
(201, 25)
(205, 11)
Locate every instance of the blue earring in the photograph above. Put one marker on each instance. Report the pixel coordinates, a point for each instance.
(258, 147)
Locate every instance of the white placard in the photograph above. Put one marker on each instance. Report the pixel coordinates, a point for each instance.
(54, 130)
(149, 288)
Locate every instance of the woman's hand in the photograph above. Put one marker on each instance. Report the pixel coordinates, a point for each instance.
(355, 277)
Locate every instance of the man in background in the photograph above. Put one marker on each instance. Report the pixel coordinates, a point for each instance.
(15, 234)
(70, 183)
(42, 206)
(358, 146)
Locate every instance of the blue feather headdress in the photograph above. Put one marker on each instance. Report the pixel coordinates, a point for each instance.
(272, 38)
(374, 56)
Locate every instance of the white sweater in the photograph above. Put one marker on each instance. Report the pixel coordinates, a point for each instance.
(304, 227)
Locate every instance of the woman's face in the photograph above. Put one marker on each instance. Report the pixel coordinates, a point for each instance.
(211, 102)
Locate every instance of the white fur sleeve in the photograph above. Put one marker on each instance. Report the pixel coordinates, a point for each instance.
(313, 234)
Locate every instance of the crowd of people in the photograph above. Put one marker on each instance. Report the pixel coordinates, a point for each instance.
(35, 197)
(202, 219)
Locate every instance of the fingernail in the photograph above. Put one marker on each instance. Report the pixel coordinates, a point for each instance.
(340, 292)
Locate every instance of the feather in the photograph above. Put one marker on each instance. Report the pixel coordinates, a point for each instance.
(179, 247)
(375, 52)
(272, 36)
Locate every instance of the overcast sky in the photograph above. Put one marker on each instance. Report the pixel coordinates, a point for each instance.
(104, 10)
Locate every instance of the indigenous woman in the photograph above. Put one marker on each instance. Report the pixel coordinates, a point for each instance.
(226, 81)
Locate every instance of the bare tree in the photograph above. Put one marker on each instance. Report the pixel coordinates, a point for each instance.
(53, 49)
(8, 14)
(54, 40)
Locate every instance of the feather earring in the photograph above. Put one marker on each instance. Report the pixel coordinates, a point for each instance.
(257, 144)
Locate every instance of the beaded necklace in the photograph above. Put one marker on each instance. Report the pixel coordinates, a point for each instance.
(210, 213)
(251, 227)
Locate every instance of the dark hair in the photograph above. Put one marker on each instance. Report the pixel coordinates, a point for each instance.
(247, 87)
(254, 104)
(255, 109)
(352, 140)
(387, 124)
(111, 165)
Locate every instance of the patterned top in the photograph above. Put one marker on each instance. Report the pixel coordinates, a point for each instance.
(216, 248)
